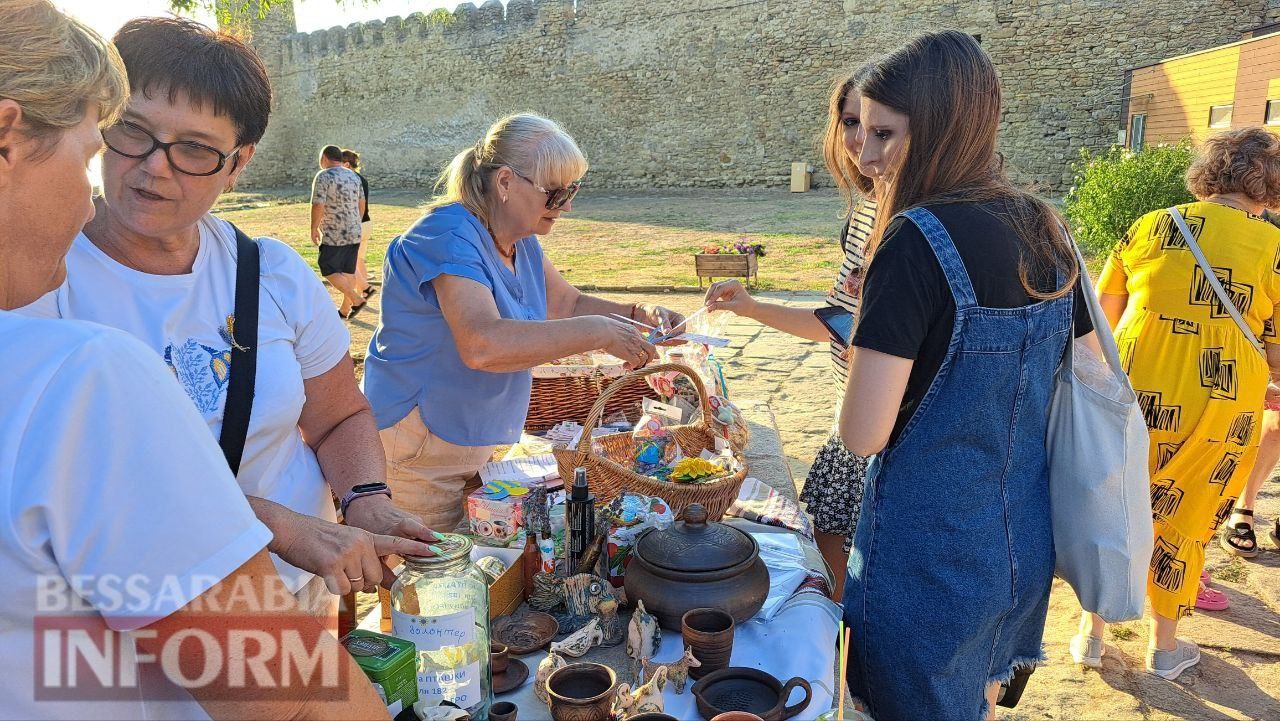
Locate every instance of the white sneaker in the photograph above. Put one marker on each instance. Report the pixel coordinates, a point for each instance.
(1087, 650)
(1170, 664)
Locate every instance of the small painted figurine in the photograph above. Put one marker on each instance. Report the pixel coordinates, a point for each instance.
(644, 636)
(548, 665)
(535, 513)
(581, 641)
(677, 671)
(611, 623)
(645, 699)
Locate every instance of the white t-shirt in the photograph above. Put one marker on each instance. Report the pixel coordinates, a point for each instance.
(183, 318)
(106, 474)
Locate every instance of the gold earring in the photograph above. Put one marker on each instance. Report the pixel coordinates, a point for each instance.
(504, 198)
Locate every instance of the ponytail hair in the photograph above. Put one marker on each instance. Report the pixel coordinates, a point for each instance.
(529, 144)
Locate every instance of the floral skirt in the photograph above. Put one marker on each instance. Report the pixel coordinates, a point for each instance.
(833, 489)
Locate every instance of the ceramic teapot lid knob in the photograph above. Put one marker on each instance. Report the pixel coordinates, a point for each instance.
(695, 514)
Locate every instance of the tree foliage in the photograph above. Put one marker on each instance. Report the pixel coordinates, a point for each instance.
(1114, 188)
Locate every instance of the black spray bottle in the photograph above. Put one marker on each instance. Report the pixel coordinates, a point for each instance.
(580, 515)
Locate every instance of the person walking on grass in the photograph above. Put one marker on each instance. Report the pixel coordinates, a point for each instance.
(337, 204)
(351, 159)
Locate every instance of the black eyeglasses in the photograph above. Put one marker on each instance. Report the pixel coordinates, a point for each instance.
(555, 198)
(186, 156)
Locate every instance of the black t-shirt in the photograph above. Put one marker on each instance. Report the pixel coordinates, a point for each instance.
(907, 308)
(364, 187)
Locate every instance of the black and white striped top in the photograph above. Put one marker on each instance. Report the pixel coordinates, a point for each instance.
(856, 233)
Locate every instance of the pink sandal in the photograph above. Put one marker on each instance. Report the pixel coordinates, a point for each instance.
(1210, 599)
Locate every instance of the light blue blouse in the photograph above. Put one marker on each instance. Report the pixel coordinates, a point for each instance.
(412, 357)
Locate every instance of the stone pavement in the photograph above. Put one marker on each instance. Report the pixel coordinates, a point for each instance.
(1239, 676)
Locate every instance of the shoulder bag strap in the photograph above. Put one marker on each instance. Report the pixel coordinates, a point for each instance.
(1214, 283)
(244, 352)
(1101, 326)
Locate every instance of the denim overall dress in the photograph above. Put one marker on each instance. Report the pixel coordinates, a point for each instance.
(952, 563)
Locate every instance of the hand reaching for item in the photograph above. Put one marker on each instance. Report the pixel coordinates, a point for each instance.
(729, 295)
(347, 558)
(623, 341)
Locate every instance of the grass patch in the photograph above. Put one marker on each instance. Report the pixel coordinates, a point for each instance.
(612, 238)
(1233, 572)
(1121, 632)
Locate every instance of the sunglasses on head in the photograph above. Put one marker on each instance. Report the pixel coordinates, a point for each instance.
(555, 198)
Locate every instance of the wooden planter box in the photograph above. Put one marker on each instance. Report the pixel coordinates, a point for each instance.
(726, 265)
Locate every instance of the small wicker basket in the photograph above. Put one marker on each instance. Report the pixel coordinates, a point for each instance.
(610, 474)
(568, 397)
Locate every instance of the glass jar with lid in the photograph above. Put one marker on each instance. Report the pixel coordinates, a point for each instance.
(441, 605)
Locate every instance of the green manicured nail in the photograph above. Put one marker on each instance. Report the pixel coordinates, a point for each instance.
(435, 549)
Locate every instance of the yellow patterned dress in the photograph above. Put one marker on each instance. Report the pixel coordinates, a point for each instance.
(1200, 383)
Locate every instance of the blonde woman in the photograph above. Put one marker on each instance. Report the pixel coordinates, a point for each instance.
(109, 478)
(471, 304)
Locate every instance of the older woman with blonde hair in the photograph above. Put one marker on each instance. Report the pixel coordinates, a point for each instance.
(1199, 373)
(471, 304)
(117, 511)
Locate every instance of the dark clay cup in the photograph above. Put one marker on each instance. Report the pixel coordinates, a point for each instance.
(582, 692)
(502, 711)
(652, 716)
(498, 658)
(709, 632)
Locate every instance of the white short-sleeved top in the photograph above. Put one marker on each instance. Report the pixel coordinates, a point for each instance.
(184, 319)
(116, 507)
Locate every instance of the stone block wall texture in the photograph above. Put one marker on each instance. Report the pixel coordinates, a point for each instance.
(679, 93)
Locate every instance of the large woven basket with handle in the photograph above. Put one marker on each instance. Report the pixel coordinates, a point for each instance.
(609, 473)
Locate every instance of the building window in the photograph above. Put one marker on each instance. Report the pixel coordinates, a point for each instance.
(1273, 112)
(1137, 132)
(1220, 116)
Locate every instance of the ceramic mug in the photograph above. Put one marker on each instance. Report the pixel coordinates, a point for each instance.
(652, 716)
(498, 658)
(582, 692)
(727, 716)
(709, 632)
(502, 711)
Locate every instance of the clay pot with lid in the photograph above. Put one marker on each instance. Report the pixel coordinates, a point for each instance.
(697, 564)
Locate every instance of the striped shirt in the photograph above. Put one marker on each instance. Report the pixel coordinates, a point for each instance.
(856, 233)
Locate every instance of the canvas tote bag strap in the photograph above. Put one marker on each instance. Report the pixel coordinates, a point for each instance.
(1101, 326)
(244, 353)
(1214, 283)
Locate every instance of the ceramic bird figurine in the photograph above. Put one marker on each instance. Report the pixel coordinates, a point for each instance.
(580, 641)
(549, 664)
(643, 638)
(614, 632)
(645, 699)
(677, 671)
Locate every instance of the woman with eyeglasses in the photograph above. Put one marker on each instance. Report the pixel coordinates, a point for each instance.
(155, 263)
(471, 304)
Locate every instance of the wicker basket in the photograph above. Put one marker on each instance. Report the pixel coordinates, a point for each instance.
(569, 398)
(611, 474)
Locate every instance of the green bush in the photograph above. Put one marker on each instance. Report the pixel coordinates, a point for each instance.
(1116, 187)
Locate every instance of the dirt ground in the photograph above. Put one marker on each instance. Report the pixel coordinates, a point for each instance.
(1239, 676)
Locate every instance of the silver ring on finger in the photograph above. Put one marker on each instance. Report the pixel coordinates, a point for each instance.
(357, 579)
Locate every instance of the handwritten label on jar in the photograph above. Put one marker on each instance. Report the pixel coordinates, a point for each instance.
(444, 673)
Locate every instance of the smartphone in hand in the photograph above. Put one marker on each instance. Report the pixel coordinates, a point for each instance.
(838, 321)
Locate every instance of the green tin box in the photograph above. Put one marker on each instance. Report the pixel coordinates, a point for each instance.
(389, 662)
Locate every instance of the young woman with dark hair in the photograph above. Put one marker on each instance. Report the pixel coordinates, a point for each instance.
(966, 311)
(833, 489)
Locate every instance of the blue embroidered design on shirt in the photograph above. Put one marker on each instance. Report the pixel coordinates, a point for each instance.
(202, 371)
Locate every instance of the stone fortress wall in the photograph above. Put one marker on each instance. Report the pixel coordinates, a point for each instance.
(680, 93)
